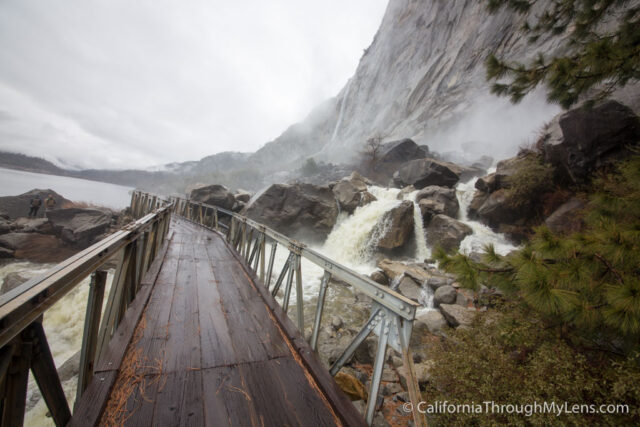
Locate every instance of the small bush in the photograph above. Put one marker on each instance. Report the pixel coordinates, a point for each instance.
(530, 182)
(310, 167)
(518, 359)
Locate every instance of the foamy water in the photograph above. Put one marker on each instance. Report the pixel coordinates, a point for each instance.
(482, 234)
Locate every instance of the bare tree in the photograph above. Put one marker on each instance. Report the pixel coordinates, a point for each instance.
(372, 150)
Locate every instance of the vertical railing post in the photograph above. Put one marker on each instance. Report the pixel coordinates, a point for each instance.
(299, 296)
(263, 250)
(90, 334)
(319, 310)
(378, 365)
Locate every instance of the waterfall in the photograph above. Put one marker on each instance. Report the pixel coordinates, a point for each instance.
(350, 241)
(341, 113)
(422, 250)
(482, 234)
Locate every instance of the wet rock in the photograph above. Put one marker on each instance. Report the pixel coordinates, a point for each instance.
(303, 211)
(424, 172)
(484, 162)
(242, 196)
(4, 215)
(336, 322)
(584, 139)
(18, 206)
(6, 226)
(402, 151)
(488, 183)
(29, 225)
(395, 227)
(12, 281)
(216, 195)
(352, 193)
(444, 295)
(35, 247)
(422, 371)
(447, 232)
(351, 386)
(435, 282)
(431, 320)
(567, 218)
(406, 190)
(6, 253)
(465, 297)
(378, 276)
(394, 269)
(390, 389)
(79, 227)
(497, 208)
(434, 200)
(457, 315)
(409, 288)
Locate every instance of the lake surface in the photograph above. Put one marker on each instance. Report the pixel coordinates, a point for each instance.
(13, 183)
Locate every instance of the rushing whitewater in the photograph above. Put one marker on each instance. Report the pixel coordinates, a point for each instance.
(482, 234)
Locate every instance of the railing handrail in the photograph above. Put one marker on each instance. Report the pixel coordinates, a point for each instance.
(23, 342)
(55, 283)
(385, 296)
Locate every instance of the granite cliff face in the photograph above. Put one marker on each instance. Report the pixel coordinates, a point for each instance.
(423, 77)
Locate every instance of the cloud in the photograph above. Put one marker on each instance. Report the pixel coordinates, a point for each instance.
(133, 84)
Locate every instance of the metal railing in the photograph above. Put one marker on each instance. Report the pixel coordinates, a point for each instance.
(391, 316)
(23, 342)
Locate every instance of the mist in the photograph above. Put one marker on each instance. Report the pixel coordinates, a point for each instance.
(495, 127)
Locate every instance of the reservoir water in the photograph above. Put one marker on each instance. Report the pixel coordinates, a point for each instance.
(14, 182)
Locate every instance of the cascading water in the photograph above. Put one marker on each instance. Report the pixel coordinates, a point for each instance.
(341, 113)
(350, 241)
(422, 250)
(482, 234)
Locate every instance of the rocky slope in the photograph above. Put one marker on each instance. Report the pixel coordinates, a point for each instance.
(423, 73)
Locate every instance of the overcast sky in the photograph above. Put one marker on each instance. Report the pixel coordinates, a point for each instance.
(115, 83)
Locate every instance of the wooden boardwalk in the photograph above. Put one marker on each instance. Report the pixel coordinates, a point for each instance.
(208, 345)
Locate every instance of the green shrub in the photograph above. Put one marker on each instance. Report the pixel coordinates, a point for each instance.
(517, 358)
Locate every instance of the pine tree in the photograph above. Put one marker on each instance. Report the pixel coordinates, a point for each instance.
(602, 51)
(588, 281)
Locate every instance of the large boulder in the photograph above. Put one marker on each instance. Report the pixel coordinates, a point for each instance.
(12, 281)
(40, 225)
(496, 208)
(423, 172)
(457, 315)
(567, 218)
(395, 228)
(584, 139)
(303, 211)
(79, 227)
(35, 247)
(401, 152)
(216, 194)
(18, 206)
(447, 232)
(351, 192)
(444, 295)
(409, 288)
(434, 200)
(395, 269)
(431, 320)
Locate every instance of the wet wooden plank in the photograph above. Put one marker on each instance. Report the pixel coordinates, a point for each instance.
(216, 347)
(281, 383)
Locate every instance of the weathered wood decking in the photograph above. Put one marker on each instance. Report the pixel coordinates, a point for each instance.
(211, 347)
